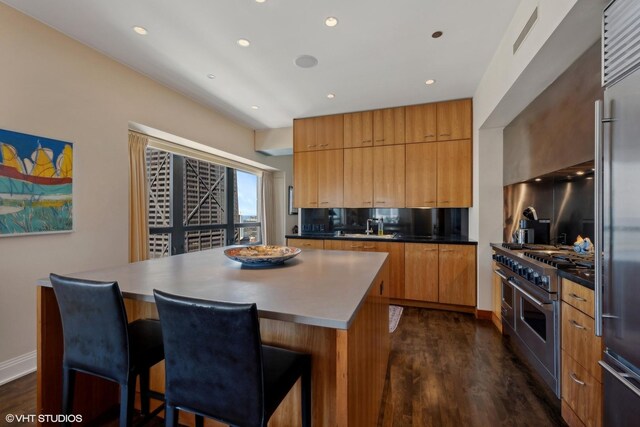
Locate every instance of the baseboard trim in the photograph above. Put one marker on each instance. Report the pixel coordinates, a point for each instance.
(17, 367)
(483, 314)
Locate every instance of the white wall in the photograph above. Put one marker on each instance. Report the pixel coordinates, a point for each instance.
(275, 141)
(563, 31)
(54, 86)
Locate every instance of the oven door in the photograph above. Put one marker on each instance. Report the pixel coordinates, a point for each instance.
(507, 300)
(537, 324)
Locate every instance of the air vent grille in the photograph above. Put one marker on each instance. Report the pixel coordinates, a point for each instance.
(620, 40)
(525, 31)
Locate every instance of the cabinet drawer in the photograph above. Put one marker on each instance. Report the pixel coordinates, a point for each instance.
(306, 243)
(581, 392)
(578, 296)
(579, 340)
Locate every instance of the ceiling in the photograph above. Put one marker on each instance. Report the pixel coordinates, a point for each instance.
(379, 55)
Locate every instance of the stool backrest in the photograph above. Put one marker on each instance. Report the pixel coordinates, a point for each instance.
(213, 358)
(94, 326)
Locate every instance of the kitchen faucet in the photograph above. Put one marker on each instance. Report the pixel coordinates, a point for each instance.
(369, 221)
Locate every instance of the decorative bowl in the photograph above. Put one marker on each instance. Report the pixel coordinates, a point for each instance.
(261, 256)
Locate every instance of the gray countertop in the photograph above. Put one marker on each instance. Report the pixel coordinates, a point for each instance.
(399, 238)
(319, 288)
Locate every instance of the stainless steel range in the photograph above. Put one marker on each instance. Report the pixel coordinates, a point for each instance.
(530, 301)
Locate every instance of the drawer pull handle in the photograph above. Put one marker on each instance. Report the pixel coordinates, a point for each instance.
(379, 140)
(366, 203)
(575, 379)
(368, 140)
(380, 201)
(445, 134)
(356, 246)
(324, 145)
(311, 146)
(429, 136)
(324, 203)
(576, 324)
(574, 296)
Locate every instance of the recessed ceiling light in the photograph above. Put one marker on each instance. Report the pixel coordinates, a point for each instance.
(331, 21)
(255, 107)
(538, 179)
(331, 95)
(437, 34)
(244, 42)
(580, 173)
(306, 61)
(430, 82)
(211, 76)
(260, 1)
(140, 30)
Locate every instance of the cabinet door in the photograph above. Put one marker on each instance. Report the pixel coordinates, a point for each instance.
(420, 123)
(388, 176)
(454, 120)
(344, 245)
(421, 174)
(388, 126)
(421, 272)
(305, 179)
(330, 178)
(306, 243)
(358, 178)
(457, 274)
(454, 174)
(396, 264)
(304, 135)
(330, 132)
(358, 129)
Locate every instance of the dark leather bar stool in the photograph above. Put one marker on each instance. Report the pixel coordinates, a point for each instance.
(217, 367)
(98, 340)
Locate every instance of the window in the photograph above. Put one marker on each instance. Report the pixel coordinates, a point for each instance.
(196, 205)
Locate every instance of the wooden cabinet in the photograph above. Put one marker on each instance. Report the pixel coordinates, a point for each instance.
(306, 243)
(421, 272)
(358, 129)
(457, 274)
(305, 179)
(389, 176)
(454, 120)
(318, 133)
(396, 259)
(318, 179)
(420, 123)
(421, 174)
(454, 180)
(389, 126)
(581, 351)
(358, 178)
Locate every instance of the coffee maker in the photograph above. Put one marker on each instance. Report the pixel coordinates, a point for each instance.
(532, 229)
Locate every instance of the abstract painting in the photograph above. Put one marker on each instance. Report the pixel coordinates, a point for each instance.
(36, 182)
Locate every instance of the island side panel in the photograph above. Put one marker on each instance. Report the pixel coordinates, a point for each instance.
(362, 357)
(94, 396)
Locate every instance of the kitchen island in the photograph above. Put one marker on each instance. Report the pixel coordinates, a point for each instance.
(331, 304)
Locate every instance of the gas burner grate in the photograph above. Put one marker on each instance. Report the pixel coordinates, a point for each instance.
(561, 260)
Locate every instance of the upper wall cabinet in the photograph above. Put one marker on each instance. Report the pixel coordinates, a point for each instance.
(454, 176)
(388, 126)
(420, 123)
(454, 120)
(318, 133)
(318, 179)
(358, 129)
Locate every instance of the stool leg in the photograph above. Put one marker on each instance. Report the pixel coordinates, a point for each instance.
(68, 388)
(144, 392)
(170, 416)
(199, 421)
(306, 397)
(127, 396)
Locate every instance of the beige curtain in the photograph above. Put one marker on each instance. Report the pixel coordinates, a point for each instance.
(138, 198)
(268, 209)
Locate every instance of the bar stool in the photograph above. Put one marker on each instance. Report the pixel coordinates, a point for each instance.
(98, 340)
(217, 367)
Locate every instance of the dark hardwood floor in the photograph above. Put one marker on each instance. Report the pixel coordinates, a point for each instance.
(445, 369)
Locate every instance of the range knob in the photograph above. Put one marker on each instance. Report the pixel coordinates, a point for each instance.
(537, 280)
(529, 274)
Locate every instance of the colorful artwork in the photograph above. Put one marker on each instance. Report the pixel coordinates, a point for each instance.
(36, 179)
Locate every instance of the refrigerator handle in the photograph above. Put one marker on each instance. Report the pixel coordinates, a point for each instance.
(598, 220)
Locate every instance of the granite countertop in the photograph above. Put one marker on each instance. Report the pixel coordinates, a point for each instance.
(401, 238)
(581, 276)
(319, 288)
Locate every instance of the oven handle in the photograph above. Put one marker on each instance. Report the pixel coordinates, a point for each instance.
(501, 274)
(528, 295)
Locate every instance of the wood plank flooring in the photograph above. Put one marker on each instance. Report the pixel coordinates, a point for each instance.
(446, 369)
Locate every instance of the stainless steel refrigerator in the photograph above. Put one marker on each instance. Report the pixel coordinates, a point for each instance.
(618, 213)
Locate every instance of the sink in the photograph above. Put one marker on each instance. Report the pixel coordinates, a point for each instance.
(368, 236)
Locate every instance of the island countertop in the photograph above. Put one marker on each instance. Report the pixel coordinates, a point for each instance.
(318, 288)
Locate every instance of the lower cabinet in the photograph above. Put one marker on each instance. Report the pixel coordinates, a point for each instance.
(396, 259)
(444, 274)
(306, 243)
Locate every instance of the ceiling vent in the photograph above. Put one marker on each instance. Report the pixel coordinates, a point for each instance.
(525, 31)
